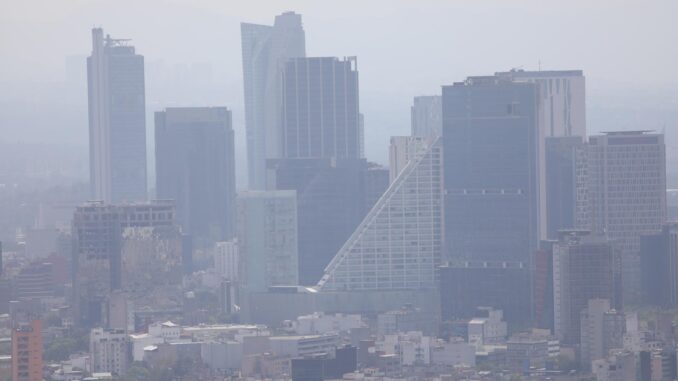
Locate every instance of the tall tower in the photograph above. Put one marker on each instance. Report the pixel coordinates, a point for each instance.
(117, 120)
(265, 49)
(320, 114)
(195, 165)
(621, 193)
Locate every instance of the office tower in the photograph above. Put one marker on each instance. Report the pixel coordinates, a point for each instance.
(34, 281)
(320, 113)
(331, 198)
(265, 49)
(227, 260)
(398, 244)
(109, 351)
(195, 166)
(602, 329)
(402, 150)
(97, 231)
(466, 286)
(490, 139)
(117, 120)
(27, 351)
(659, 267)
(427, 116)
(622, 193)
(561, 158)
(562, 98)
(561, 112)
(267, 239)
(584, 267)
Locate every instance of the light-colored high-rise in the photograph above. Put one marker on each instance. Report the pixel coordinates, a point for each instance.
(427, 116)
(561, 111)
(621, 193)
(265, 49)
(401, 151)
(117, 120)
(267, 239)
(398, 244)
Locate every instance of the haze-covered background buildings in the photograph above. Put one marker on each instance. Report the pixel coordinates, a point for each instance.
(510, 234)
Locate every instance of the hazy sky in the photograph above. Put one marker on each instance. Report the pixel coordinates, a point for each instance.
(404, 48)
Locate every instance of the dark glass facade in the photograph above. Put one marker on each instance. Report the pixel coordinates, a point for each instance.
(320, 115)
(195, 165)
(500, 285)
(490, 143)
(561, 183)
(331, 202)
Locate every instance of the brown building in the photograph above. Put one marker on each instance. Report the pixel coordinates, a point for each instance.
(27, 351)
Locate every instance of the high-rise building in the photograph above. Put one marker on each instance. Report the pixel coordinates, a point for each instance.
(109, 351)
(490, 137)
(561, 105)
(561, 186)
(331, 202)
(195, 166)
(585, 267)
(227, 260)
(267, 239)
(97, 232)
(427, 116)
(402, 150)
(602, 329)
(659, 267)
(398, 244)
(621, 190)
(265, 49)
(117, 120)
(27, 351)
(320, 109)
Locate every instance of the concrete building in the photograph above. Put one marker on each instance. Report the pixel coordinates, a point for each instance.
(227, 260)
(622, 193)
(602, 329)
(318, 323)
(97, 234)
(524, 352)
(27, 351)
(35, 281)
(618, 366)
(427, 116)
(117, 120)
(413, 348)
(584, 268)
(398, 244)
(407, 319)
(487, 327)
(265, 49)
(195, 166)
(455, 352)
(402, 150)
(306, 345)
(320, 108)
(267, 239)
(109, 351)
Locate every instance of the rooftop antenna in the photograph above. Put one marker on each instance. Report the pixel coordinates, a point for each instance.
(539, 64)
